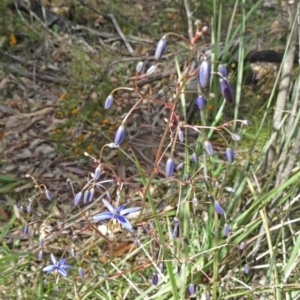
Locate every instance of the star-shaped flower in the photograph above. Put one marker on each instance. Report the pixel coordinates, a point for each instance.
(58, 265)
(116, 213)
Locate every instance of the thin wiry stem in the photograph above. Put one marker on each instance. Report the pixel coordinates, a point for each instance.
(189, 18)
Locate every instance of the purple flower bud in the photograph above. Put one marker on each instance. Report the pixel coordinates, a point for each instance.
(191, 289)
(97, 173)
(195, 202)
(186, 177)
(91, 195)
(194, 158)
(151, 70)
(223, 71)
(208, 147)
(242, 246)
(179, 166)
(207, 296)
(77, 198)
(180, 135)
(28, 208)
(160, 93)
(229, 155)
(160, 48)
(226, 229)
(170, 167)
(68, 185)
(81, 272)
(42, 242)
(162, 267)
(247, 268)
(176, 228)
(119, 136)
(200, 101)
(26, 230)
(48, 194)
(186, 240)
(226, 91)
(86, 195)
(108, 102)
(40, 255)
(236, 137)
(218, 208)
(155, 279)
(139, 67)
(204, 74)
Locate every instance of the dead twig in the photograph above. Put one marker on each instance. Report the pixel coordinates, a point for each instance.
(128, 46)
(189, 17)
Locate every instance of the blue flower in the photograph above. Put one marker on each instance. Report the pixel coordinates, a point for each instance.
(226, 229)
(209, 148)
(223, 71)
(204, 74)
(160, 48)
(59, 266)
(154, 279)
(200, 101)
(247, 268)
(108, 102)
(116, 213)
(192, 289)
(218, 208)
(229, 153)
(119, 136)
(226, 91)
(170, 167)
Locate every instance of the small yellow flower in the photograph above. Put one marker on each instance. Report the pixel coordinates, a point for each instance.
(210, 107)
(58, 130)
(105, 121)
(63, 96)
(60, 114)
(76, 151)
(89, 149)
(74, 111)
(12, 40)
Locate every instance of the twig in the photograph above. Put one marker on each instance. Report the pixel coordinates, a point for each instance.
(189, 17)
(129, 48)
